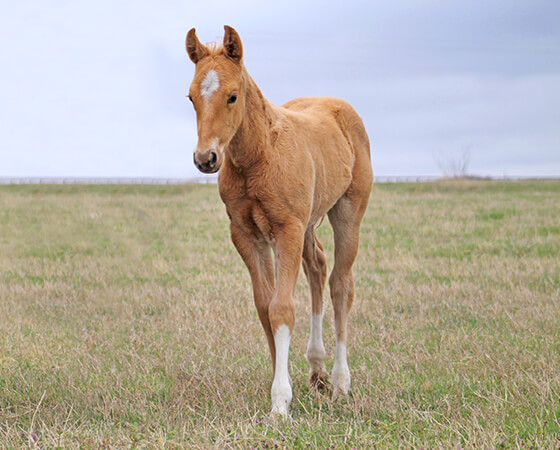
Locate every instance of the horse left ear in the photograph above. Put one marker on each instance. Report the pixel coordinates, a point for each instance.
(232, 44)
(195, 49)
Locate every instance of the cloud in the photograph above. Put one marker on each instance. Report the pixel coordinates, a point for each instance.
(98, 88)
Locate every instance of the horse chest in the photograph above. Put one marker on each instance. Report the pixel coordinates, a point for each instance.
(252, 219)
(247, 212)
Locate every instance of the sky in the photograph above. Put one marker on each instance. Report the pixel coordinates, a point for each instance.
(97, 88)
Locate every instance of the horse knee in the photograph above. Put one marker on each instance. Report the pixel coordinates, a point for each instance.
(281, 312)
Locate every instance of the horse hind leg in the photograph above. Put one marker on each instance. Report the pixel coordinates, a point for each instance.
(315, 268)
(345, 218)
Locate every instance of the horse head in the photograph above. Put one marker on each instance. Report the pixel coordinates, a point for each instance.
(217, 93)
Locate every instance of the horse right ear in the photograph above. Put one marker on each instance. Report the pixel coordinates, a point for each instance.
(195, 49)
(232, 44)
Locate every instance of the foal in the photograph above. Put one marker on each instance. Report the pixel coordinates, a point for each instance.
(282, 169)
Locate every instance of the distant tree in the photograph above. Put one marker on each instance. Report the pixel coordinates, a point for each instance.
(455, 165)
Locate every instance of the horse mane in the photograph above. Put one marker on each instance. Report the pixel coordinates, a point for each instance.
(214, 48)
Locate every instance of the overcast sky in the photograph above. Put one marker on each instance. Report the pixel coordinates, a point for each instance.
(97, 88)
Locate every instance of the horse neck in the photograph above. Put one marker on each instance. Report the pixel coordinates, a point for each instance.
(251, 142)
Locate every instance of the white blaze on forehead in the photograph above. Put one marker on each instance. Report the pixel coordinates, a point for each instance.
(210, 84)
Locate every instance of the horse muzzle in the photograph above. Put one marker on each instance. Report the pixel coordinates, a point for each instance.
(208, 161)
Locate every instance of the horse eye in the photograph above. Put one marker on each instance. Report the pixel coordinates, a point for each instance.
(190, 98)
(232, 99)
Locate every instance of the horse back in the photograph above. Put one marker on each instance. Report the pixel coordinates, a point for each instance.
(347, 119)
(343, 152)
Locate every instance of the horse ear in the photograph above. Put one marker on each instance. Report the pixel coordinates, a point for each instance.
(232, 44)
(195, 49)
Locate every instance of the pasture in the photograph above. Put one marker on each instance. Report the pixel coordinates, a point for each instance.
(127, 320)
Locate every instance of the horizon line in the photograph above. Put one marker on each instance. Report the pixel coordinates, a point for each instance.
(214, 179)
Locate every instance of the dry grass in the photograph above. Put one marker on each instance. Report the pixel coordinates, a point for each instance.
(127, 321)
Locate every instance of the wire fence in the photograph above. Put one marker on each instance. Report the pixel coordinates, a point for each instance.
(105, 180)
(214, 179)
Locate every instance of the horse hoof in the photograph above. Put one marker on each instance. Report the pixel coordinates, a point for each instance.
(340, 393)
(319, 379)
(279, 413)
(341, 382)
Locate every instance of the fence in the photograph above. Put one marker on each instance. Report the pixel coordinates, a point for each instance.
(214, 179)
(105, 180)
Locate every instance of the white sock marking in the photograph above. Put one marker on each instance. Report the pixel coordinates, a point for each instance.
(281, 392)
(210, 84)
(341, 373)
(315, 348)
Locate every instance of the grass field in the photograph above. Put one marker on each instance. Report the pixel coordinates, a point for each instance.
(126, 320)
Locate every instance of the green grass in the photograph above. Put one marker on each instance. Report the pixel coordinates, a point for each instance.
(126, 320)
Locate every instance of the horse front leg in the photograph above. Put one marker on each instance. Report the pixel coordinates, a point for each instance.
(281, 311)
(257, 256)
(315, 268)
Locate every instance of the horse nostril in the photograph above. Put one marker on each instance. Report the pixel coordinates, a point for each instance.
(206, 162)
(213, 159)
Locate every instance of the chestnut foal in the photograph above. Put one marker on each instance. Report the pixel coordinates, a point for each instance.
(282, 169)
